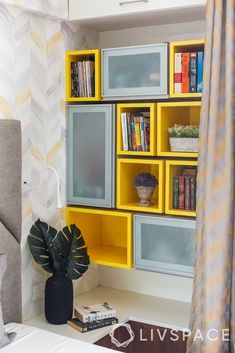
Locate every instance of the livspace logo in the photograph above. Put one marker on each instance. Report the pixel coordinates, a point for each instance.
(115, 341)
(175, 335)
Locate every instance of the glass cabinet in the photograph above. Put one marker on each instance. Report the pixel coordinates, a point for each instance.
(137, 72)
(165, 245)
(91, 155)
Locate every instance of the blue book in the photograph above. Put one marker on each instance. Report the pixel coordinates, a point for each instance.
(199, 71)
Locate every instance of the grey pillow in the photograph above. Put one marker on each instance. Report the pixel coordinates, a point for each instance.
(4, 337)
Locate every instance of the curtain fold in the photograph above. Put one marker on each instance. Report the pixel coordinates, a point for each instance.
(213, 305)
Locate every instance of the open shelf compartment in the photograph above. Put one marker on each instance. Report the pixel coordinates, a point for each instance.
(80, 55)
(175, 168)
(108, 234)
(183, 47)
(135, 108)
(127, 170)
(169, 114)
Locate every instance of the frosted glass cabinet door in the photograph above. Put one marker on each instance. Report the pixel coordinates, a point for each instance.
(135, 71)
(90, 155)
(165, 245)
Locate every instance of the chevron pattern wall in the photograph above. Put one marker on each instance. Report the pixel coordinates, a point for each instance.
(32, 91)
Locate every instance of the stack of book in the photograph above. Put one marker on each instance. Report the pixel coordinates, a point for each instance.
(184, 189)
(82, 78)
(88, 318)
(188, 72)
(135, 131)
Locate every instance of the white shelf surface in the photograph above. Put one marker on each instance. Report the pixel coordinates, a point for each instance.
(149, 309)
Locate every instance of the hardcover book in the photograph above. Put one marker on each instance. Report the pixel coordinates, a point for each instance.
(199, 71)
(176, 192)
(94, 312)
(185, 72)
(181, 192)
(193, 72)
(178, 73)
(93, 325)
(187, 193)
(124, 132)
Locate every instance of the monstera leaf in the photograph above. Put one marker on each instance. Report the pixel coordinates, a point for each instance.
(70, 252)
(59, 251)
(40, 242)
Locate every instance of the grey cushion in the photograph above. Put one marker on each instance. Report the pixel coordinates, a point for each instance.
(4, 338)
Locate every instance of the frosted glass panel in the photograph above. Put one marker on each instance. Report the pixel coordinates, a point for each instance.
(136, 70)
(89, 155)
(167, 244)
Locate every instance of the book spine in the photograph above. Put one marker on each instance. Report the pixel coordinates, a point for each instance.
(175, 192)
(192, 72)
(181, 192)
(130, 148)
(93, 325)
(147, 133)
(185, 74)
(193, 193)
(137, 133)
(178, 73)
(199, 71)
(124, 132)
(133, 135)
(187, 193)
(141, 126)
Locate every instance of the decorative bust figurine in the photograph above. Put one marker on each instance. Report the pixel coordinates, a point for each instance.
(145, 184)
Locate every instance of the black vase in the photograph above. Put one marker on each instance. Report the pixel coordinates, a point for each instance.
(58, 298)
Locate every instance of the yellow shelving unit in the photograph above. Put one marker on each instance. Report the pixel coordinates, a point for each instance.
(169, 114)
(183, 47)
(174, 168)
(107, 233)
(80, 55)
(151, 108)
(127, 198)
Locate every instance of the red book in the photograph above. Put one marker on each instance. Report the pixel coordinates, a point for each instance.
(185, 75)
(181, 192)
(187, 192)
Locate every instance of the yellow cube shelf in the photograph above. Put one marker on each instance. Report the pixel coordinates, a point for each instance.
(127, 170)
(137, 108)
(169, 114)
(80, 55)
(108, 235)
(183, 47)
(174, 168)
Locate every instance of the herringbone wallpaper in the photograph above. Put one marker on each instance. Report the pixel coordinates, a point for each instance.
(32, 91)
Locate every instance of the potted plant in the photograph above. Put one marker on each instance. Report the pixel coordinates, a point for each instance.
(145, 184)
(64, 254)
(184, 138)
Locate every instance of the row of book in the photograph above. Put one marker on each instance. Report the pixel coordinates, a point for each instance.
(83, 78)
(188, 72)
(92, 317)
(184, 189)
(135, 131)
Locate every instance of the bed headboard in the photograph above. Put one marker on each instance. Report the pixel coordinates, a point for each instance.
(11, 217)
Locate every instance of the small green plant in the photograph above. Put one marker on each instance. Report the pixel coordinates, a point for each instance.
(186, 131)
(145, 179)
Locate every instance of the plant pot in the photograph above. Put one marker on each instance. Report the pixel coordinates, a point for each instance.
(58, 298)
(145, 194)
(184, 144)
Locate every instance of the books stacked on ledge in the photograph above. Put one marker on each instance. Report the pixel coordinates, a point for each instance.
(188, 72)
(88, 318)
(83, 78)
(135, 131)
(184, 189)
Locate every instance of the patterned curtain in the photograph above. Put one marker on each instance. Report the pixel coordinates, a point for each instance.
(213, 307)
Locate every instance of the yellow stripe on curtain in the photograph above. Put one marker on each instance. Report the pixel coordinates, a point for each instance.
(213, 307)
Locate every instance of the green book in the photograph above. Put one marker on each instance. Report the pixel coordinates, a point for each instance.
(176, 192)
(193, 193)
